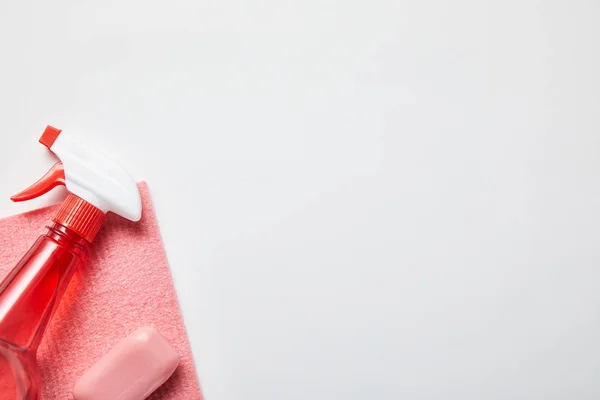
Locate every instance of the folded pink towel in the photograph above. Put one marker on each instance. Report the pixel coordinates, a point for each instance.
(126, 285)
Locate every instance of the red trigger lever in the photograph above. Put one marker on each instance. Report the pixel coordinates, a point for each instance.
(52, 179)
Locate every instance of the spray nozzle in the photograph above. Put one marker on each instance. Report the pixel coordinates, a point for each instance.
(88, 174)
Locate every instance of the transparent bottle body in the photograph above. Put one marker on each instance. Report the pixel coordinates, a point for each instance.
(29, 296)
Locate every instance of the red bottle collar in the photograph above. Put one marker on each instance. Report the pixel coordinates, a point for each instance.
(80, 216)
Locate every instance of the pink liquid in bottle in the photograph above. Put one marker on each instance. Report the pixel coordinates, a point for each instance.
(29, 296)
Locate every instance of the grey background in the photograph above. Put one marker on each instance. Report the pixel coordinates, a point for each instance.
(359, 199)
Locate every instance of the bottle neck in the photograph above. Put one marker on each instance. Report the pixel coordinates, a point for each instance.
(64, 235)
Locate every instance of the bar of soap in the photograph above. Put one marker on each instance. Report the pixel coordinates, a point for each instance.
(132, 370)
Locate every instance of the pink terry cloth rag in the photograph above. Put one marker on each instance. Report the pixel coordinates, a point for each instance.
(125, 285)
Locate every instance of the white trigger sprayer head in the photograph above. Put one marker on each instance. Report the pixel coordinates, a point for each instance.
(95, 177)
(88, 174)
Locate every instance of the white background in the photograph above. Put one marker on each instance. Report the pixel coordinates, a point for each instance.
(377, 199)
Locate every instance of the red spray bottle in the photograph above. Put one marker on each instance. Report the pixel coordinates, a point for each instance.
(31, 292)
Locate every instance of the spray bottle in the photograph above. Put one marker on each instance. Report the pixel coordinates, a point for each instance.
(31, 292)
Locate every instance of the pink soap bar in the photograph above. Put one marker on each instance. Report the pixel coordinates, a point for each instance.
(132, 370)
